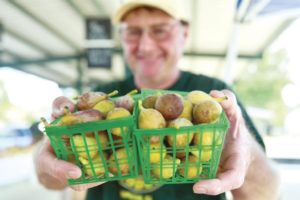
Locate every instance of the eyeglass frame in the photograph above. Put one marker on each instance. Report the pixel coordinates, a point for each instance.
(151, 31)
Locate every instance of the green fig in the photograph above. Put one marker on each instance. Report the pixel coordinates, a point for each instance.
(157, 151)
(167, 168)
(122, 161)
(182, 139)
(191, 168)
(115, 114)
(150, 118)
(90, 148)
(105, 106)
(187, 110)
(96, 164)
(197, 96)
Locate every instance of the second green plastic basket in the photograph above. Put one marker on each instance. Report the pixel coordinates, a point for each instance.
(163, 163)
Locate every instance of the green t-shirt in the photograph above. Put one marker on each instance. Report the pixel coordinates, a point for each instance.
(187, 82)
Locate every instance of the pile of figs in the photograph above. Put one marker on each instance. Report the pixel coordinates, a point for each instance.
(98, 152)
(180, 152)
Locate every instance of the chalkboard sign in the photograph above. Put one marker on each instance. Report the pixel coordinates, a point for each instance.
(98, 29)
(99, 57)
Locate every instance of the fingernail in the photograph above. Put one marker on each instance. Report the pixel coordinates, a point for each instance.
(200, 190)
(73, 174)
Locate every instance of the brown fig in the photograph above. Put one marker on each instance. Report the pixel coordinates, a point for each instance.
(207, 111)
(80, 117)
(89, 99)
(149, 101)
(126, 101)
(169, 105)
(59, 104)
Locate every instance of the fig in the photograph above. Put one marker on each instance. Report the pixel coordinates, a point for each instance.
(191, 167)
(122, 162)
(182, 139)
(197, 96)
(169, 105)
(59, 105)
(150, 118)
(187, 110)
(126, 101)
(102, 136)
(205, 155)
(168, 170)
(84, 147)
(96, 163)
(105, 106)
(207, 138)
(207, 111)
(118, 113)
(79, 117)
(89, 99)
(157, 152)
(149, 101)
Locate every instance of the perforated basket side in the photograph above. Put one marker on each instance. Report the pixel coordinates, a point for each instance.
(97, 161)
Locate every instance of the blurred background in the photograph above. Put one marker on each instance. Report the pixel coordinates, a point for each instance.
(65, 47)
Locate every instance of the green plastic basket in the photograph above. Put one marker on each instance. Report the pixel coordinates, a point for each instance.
(163, 163)
(92, 146)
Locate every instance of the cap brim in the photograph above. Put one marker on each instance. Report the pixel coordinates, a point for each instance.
(123, 10)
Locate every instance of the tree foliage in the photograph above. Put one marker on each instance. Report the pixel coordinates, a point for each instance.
(262, 84)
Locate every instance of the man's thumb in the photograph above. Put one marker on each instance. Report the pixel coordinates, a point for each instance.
(64, 170)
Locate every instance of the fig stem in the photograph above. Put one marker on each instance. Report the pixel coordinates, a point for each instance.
(67, 110)
(113, 93)
(140, 105)
(220, 99)
(132, 92)
(45, 122)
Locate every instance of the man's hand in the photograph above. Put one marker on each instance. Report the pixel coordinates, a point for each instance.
(244, 168)
(235, 157)
(53, 173)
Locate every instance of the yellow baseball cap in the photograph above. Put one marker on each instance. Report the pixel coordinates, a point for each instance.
(173, 8)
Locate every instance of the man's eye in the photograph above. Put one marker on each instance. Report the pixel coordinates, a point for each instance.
(159, 31)
(133, 31)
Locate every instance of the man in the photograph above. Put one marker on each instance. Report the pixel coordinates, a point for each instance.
(153, 35)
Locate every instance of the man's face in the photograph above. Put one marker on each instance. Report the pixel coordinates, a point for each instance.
(152, 42)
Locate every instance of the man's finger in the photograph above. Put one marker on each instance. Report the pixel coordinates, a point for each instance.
(60, 169)
(82, 187)
(64, 170)
(231, 109)
(227, 180)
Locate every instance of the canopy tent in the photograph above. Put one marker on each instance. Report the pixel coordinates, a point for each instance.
(47, 38)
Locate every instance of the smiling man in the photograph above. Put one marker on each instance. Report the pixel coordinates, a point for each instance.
(153, 35)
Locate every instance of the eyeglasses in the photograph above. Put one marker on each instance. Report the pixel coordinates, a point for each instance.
(157, 32)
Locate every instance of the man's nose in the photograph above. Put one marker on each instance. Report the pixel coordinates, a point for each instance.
(146, 43)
